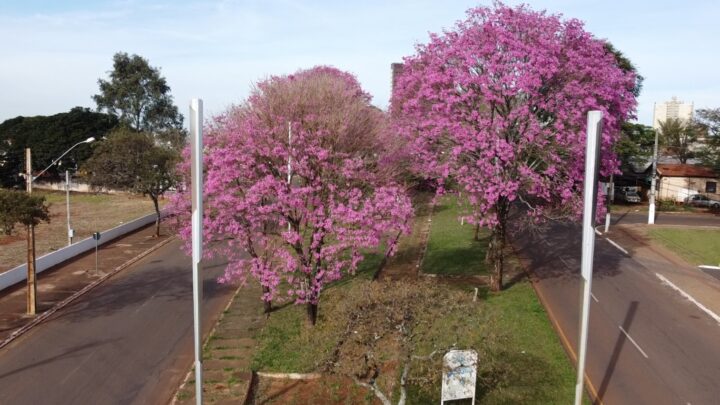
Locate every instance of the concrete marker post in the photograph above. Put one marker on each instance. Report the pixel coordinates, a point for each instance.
(592, 151)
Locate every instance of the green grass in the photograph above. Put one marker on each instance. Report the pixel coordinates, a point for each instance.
(451, 248)
(538, 370)
(521, 358)
(697, 246)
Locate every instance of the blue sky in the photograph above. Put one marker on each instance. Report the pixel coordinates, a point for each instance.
(53, 52)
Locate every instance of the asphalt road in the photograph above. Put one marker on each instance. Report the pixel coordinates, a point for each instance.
(667, 218)
(647, 344)
(129, 341)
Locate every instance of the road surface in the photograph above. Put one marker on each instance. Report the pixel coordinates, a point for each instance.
(128, 341)
(667, 218)
(647, 344)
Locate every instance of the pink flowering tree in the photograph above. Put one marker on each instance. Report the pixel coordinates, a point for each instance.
(298, 186)
(499, 103)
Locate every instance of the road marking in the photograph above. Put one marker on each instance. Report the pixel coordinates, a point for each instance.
(598, 232)
(620, 248)
(712, 314)
(633, 342)
(702, 266)
(593, 297)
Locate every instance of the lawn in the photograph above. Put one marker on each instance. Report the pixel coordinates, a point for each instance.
(88, 213)
(697, 246)
(521, 357)
(451, 248)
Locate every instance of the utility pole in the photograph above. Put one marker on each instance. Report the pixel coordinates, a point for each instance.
(31, 282)
(592, 152)
(289, 169)
(70, 232)
(610, 190)
(651, 209)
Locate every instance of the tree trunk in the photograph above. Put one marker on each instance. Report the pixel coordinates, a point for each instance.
(385, 258)
(477, 232)
(157, 215)
(267, 304)
(311, 313)
(496, 250)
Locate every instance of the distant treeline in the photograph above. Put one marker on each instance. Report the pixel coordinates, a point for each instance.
(49, 137)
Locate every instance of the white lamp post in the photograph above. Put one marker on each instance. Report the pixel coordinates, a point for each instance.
(70, 232)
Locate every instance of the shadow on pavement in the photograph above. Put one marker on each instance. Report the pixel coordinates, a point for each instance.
(67, 353)
(619, 343)
(162, 284)
(553, 251)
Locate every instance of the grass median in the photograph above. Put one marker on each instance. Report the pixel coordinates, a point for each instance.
(521, 357)
(697, 246)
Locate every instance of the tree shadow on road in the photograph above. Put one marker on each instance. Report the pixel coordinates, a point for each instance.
(553, 251)
(164, 284)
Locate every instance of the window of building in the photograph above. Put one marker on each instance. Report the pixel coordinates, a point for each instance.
(711, 187)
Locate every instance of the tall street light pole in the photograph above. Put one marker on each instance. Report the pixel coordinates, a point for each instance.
(31, 273)
(30, 231)
(592, 154)
(70, 232)
(651, 209)
(196, 184)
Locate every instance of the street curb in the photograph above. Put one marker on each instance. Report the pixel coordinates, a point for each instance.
(40, 318)
(678, 261)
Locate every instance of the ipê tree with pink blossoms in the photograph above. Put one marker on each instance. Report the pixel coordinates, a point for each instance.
(499, 103)
(297, 185)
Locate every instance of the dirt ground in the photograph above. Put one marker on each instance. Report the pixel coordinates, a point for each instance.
(88, 213)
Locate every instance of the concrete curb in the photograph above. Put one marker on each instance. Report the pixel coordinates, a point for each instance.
(289, 376)
(40, 318)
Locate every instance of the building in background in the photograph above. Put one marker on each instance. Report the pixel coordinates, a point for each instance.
(677, 181)
(671, 109)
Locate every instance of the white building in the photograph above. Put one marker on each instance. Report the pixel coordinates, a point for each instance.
(671, 109)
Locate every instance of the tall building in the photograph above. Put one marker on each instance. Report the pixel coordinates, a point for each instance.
(671, 109)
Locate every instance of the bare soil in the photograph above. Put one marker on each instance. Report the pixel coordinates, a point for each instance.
(88, 213)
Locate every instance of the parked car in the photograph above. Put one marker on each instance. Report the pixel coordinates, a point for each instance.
(699, 200)
(628, 196)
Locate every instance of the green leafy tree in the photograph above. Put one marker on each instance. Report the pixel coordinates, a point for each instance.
(49, 137)
(134, 162)
(18, 207)
(635, 146)
(708, 121)
(677, 136)
(139, 96)
(627, 66)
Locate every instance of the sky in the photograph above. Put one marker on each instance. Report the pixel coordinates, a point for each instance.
(52, 53)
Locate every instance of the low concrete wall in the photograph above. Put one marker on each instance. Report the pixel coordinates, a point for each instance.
(74, 186)
(19, 273)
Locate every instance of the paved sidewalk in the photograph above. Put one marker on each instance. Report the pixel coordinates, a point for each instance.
(228, 352)
(658, 258)
(60, 282)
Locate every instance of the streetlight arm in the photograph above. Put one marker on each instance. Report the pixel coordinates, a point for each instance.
(91, 139)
